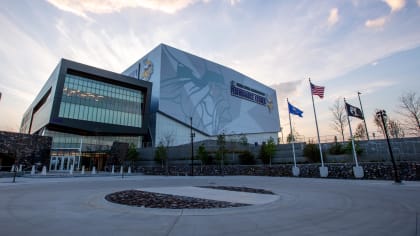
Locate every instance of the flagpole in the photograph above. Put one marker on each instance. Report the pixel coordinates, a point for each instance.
(316, 123)
(364, 119)
(351, 136)
(291, 133)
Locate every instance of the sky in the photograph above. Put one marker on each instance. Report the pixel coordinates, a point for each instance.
(370, 46)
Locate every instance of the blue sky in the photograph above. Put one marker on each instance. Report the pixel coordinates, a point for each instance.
(347, 46)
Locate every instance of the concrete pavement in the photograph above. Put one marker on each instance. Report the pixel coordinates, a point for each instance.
(76, 206)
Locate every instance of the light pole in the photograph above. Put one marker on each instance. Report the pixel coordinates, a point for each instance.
(382, 114)
(192, 148)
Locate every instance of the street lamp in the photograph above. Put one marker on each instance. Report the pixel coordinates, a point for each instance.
(192, 148)
(382, 115)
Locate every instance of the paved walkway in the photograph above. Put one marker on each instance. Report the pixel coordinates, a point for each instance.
(76, 206)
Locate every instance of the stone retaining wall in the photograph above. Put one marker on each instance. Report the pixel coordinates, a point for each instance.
(380, 171)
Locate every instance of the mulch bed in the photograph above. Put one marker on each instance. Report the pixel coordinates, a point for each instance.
(158, 200)
(239, 189)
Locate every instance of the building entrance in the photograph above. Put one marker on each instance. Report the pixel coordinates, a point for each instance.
(62, 160)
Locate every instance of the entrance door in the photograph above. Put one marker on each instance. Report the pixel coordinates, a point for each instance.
(61, 162)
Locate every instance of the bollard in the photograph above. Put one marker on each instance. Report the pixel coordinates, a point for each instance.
(83, 170)
(44, 170)
(20, 168)
(71, 169)
(93, 170)
(121, 170)
(33, 170)
(129, 170)
(113, 169)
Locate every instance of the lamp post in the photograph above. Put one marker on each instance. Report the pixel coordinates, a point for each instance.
(382, 114)
(192, 148)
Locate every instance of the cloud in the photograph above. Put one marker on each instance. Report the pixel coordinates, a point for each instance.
(395, 5)
(418, 3)
(333, 17)
(376, 23)
(234, 2)
(82, 7)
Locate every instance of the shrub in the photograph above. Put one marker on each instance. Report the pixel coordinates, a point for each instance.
(349, 149)
(246, 158)
(267, 151)
(203, 155)
(160, 153)
(336, 149)
(311, 151)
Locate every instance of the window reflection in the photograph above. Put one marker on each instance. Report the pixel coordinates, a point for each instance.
(96, 101)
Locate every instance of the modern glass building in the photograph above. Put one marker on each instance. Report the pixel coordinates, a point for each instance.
(213, 99)
(86, 109)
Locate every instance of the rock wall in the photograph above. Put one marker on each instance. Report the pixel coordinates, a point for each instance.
(26, 149)
(379, 171)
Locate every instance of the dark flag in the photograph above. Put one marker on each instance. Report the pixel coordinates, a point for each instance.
(294, 110)
(317, 90)
(354, 111)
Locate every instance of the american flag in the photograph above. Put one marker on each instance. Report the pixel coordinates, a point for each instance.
(317, 90)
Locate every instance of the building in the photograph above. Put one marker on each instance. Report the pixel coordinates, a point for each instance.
(86, 109)
(213, 99)
(162, 98)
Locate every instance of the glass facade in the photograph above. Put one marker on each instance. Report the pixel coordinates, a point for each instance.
(91, 100)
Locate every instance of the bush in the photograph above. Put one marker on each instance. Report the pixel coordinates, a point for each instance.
(311, 151)
(203, 155)
(336, 149)
(349, 149)
(246, 158)
(264, 155)
(160, 153)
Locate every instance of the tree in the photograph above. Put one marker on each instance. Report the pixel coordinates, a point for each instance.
(267, 151)
(243, 140)
(132, 154)
(339, 117)
(246, 158)
(395, 129)
(160, 154)
(360, 131)
(167, 140)
(221, 142)
(292, 138)
(203, 155)
(410, 109)
(271, 148)
(311, 151)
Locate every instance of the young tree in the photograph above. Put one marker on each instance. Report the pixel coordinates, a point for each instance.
(410, 109)
(339, 117)
(203, 155)
(160, 154)
(271, 148)
(132, 154)
(221, 142)
(243, 140)
(167, 139)
(360, 131)
(293, 137)
(395, 129)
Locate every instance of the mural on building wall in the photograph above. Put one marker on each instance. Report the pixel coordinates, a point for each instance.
(195, 90)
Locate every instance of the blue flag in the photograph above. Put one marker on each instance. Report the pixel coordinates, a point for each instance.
(294, 110)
